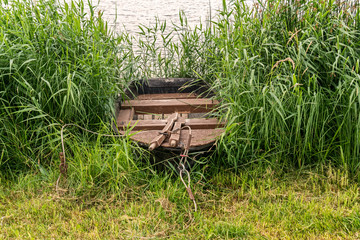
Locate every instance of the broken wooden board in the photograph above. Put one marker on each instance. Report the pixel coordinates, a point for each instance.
(194, 123)
(166, 96)
(154, 100)
(125, 116)
(168, 106)
(175, 135)
(200, 137)
(159, 139)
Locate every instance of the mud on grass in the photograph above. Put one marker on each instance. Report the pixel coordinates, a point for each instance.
(302, 204)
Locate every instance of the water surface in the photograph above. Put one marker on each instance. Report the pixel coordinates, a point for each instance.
(128, 14)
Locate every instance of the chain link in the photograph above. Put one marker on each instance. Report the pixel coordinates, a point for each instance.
(182, 169)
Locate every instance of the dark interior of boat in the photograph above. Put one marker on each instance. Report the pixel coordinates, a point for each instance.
(154, 106)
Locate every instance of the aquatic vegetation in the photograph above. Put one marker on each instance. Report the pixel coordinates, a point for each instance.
(58, 64)
(287, 73)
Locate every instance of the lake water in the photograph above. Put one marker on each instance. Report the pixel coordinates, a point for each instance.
(128, 14)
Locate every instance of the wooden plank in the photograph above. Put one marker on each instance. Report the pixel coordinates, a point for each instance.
(158, 116)
(132, 113)
(201, 123)
(159, 139)
(184, 115)
(145, 124)
(175, 136)
(125, 116)
(148, 117)
(167, 106)
(166, 96)
(200, 137)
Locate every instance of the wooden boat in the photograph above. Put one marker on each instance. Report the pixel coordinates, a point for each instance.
(169, 113)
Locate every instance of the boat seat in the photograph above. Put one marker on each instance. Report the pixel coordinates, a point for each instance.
(168, 106)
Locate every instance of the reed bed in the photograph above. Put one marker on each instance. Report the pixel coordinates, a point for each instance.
(287, 73)
(60, 63)
(295, 68)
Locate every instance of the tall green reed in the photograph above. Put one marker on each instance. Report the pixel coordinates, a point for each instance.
(295, 67)
(286, 72)
(60, 63)
(287, 75)
(101, 164)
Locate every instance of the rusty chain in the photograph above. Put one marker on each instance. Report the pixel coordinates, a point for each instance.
(182, 168)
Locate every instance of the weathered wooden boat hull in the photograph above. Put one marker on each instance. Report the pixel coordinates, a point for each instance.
(153, 111)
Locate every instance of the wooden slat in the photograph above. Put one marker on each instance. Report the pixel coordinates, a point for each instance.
(125, 116)
(171, 105)
(201, 123)
(145, 124)
(184, 115)
(147, 117)
(159, 139)
(175, 136)
(166, 96)
(158, 116)
(200, 137)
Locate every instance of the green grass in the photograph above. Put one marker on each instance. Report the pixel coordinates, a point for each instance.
(296, 99)
(286, 72)
(253, 204)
